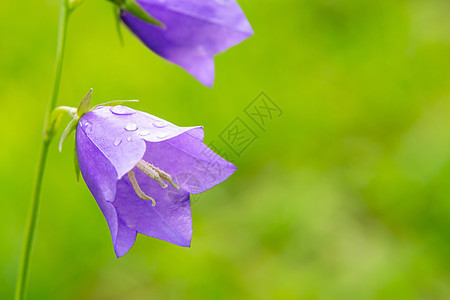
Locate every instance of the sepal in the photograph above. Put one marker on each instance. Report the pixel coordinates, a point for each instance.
(75, 161)
(136, 10)
(116, 11)
(69, 129)
(84, 105)
(82, 109)
(55, 120)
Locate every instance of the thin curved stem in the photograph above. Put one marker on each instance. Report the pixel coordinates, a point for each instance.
(46, 140)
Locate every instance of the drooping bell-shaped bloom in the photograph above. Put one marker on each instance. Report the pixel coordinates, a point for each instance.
(194, 31)
(141, 170)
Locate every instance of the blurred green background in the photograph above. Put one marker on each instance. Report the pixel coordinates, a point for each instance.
(345, 196)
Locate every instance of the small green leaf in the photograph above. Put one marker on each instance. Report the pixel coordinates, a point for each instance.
(84, 104)
(113, 103)
(69, 129)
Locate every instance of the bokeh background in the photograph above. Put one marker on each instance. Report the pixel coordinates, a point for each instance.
(344, 196)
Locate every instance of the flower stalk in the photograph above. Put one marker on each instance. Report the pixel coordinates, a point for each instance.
(49, 132)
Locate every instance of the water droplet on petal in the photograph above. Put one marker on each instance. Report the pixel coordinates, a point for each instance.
(131, 127)
(87, 127)
(144, 132)
(159, 124)
(129, 139)
(162, 135)
(117, 141)
(122, 110)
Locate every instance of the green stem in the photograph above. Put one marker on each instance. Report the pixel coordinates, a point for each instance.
(45, 143)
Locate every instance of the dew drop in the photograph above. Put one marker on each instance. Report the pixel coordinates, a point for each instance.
(144, 132)
(162, 135)
(122, 110)
(87, 127)
(129, 139)
(117, 141)
(131, 127)
(159, 124)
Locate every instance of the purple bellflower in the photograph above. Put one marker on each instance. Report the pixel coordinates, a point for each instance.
(194, 31)
(141, 171)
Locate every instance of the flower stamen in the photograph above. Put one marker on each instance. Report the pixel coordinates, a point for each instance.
(166, 177)
(138, 190)
(156, 174)
(150, 172)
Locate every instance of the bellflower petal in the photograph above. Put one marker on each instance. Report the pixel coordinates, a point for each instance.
(197, 166)
(101, 179)
(195, 31)
(112, 141)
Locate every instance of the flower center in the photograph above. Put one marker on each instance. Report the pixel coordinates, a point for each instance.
(154, 173)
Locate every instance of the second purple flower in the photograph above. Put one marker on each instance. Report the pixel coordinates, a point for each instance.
(195, 31)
